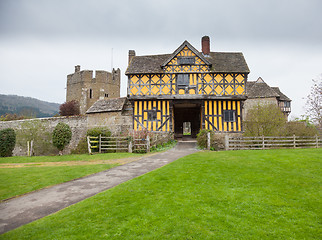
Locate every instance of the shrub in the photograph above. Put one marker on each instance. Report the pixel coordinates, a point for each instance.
(300, 128)
(62, 135)
(7, 142)
(69, 108)
(81, 148)
(96, 132)
(217, 142)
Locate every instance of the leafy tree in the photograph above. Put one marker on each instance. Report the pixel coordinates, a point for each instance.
(62, 135)
(264, 120)
(300, 128)
(36, 131)
(69, 108)
(11, 117)
(7, 142)
(314, 102)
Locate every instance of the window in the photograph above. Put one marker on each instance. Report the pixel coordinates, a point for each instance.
(186, 60)
(287, 104)
(106, 94)
(152, 115)
(229, 115)
(90, 93)
(183, 80)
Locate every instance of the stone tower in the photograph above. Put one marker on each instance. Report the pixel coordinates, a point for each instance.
(85, 88)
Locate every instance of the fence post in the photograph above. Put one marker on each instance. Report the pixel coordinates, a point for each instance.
(130, 145)
(263, 142)
(89, 145)
(317, 141)
(99, 143)
(148, 144)
(294, 141)
(208, 140)
(226, 142)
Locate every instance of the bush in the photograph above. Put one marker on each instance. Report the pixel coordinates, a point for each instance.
(81, 148)
(62, 135)
(96, 132)
(300, 128)
(7, 142)
(69, 108)
(217, 142)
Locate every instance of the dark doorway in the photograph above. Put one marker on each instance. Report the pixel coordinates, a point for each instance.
(186, 120)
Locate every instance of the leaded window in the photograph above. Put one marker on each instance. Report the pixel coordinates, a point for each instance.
(186, 60)
(183, 80)
(229, 115)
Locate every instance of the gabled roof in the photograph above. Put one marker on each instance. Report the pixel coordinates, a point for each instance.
(283, 97)
(107, 105)
(220, 62)
(260, 89)
(179, 49)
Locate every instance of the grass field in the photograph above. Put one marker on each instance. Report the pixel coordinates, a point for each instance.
(63, 158)
(269, 194)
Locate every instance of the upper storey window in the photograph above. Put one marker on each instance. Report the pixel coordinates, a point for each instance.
(186, 60)
(183, 80)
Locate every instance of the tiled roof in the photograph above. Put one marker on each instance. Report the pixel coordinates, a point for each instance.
(107, 105)
(259, 89)
(222, 62)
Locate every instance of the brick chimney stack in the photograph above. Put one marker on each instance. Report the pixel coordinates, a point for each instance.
(205, 45)
(77, 68)
(131, 55)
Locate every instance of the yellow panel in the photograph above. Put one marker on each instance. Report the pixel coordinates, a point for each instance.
(140, 108)
(239, 78)
(238, 107)
(145, 79)
(229, 105)
(168, 113)
(134, 79)
(155, 90)
(210, 107)
(144, 90)
(229, 90)
(208, 78)
(192, 91)
(218, 90)
(155, 79)
(218, 77)
(229, 78)
(240, 90)
(134, 91)
(165, 90)
(208, 90)
(210, 120)
(206, 107)
(165, 78)
(215, 121)
(181, 91)
(149, 105)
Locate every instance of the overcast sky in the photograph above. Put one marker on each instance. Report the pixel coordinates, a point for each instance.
(42, 40)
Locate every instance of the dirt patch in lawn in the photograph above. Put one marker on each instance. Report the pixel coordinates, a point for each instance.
(120, 161)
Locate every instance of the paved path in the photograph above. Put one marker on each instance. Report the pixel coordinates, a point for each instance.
(30, 207)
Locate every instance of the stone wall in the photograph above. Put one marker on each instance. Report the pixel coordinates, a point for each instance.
(251, 102)
(117, 122)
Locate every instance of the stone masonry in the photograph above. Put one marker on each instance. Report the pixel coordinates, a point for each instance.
(85, 88)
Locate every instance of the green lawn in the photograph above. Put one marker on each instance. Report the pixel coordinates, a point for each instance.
(64, 158)
(17, 181)
(269, 194)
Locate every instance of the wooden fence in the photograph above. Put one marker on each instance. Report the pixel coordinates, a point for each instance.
(238, 143)
(117, 144)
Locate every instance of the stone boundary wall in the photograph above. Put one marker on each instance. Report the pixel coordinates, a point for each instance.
(116, 122)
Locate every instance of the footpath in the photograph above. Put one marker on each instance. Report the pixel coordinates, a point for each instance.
(30, 207)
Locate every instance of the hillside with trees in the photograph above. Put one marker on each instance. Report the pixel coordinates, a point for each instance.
(27, 106)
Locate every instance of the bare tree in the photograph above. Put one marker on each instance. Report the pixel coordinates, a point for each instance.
(314, 102)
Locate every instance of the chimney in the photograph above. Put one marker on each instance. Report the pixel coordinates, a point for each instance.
(131, 55)
(205, 45)
(77, 68)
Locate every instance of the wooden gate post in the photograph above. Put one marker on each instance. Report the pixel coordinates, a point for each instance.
(89, 145)
(130, 145)
(316, 141)
(208, 140)
(147, 143)
(294, 141)
(263, 142)
(226, 142)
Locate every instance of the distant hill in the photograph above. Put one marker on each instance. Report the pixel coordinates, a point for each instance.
(27, 106)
